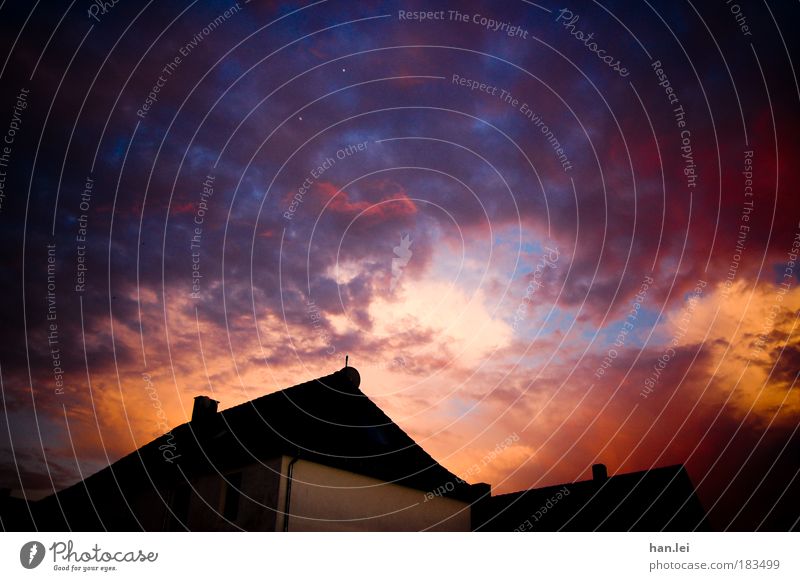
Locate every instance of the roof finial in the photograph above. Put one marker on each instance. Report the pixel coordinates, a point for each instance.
(346, 359)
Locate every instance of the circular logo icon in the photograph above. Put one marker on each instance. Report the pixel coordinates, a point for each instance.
(31, 554)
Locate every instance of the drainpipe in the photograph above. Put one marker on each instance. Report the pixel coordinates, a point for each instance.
(289, 472)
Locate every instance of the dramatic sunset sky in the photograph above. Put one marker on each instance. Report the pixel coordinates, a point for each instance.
(546, 235)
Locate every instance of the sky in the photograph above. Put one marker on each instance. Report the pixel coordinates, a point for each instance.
(546, 235)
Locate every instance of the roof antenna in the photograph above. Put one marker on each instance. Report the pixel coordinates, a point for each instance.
(346, 359)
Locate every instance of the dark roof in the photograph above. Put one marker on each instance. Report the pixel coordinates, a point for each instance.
(651, 500)
(330, 421)
(327, 420)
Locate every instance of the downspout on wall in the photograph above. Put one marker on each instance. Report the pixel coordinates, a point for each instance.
(287, 504)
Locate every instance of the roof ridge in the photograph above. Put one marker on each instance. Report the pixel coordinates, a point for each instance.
(354, 382)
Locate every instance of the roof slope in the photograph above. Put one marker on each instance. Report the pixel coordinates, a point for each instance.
(660, 499)
(327, 420)
(331, 421)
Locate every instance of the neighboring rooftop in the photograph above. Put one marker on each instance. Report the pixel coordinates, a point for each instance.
(660, 499)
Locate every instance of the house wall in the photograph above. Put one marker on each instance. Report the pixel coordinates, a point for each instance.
(256, 505)
(328, 499)
(321, 499)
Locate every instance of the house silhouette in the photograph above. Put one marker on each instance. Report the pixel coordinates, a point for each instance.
(321, 456)
(661, 499)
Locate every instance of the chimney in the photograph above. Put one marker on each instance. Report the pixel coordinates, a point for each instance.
(481, 490)
(204, 409)
(599, 472)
